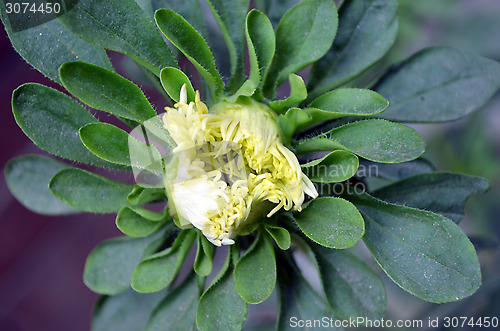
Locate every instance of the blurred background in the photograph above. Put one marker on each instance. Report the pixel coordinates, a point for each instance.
(42, 258)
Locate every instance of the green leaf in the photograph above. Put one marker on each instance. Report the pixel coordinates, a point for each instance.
(28, 178)
(367, 29)
(178, 310)
(192, 45)
(157, 271)
(331, 222)
(51, 120)
(122, 26)
(52, 41)
(299, 302)
(425, 253)
(141, 195)
(230, 17)
(298, 93)
(442, 193)
(395, 171)
(105, 90)
(89, 192)
(375, 140)
(191, 10)
(172, 80)
(255, 273)
(127, 311)
(221, 312)
(204, 254)
(305, 34)
(351, 287)
(333, 168)
(439, 85)
(345, 102)
(261, 43)
(139, 222)
(113, 144)
(280, 235)
(110, 265)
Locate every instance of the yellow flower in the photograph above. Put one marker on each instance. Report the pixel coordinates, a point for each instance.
(229, 167)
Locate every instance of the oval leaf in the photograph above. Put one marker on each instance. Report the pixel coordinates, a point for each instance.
(110, 265)
(191, 44)
(172, 80)
(333, 168)
(105, 90)
(425, 253)
(375, 140)
(155, 272)
(261, 45)
(122, 26)
(439, 85)
(304, 34)
(138, 222)
(89, 192)
(51, 40)
(217, 312)
(51, 120)
(255, 273)
(28, 178)
(331, 222)
(367, 29)
(345, 102)
(204, 254)
(280, 235)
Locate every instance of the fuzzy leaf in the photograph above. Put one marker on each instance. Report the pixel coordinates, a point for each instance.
(110, 265)
(122, 26)
(172, 80)
(51, 120)
(442, 193)
(367, 29)
(28, 178)
(375, 140)
(105, 90)
(305, 33)
(351, 287)
(255, 273)
(51, 40)
(261, 43)
(157, 271)
(439, 85)
(425, 253)
(204, 255)
(280, 235)
(192, 45)
(221, 312)
(89, 192)
(333, 168)
(177, 310)
(331, 222)
(139, 222)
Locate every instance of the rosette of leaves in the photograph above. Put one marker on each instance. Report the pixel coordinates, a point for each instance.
(409, 224)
